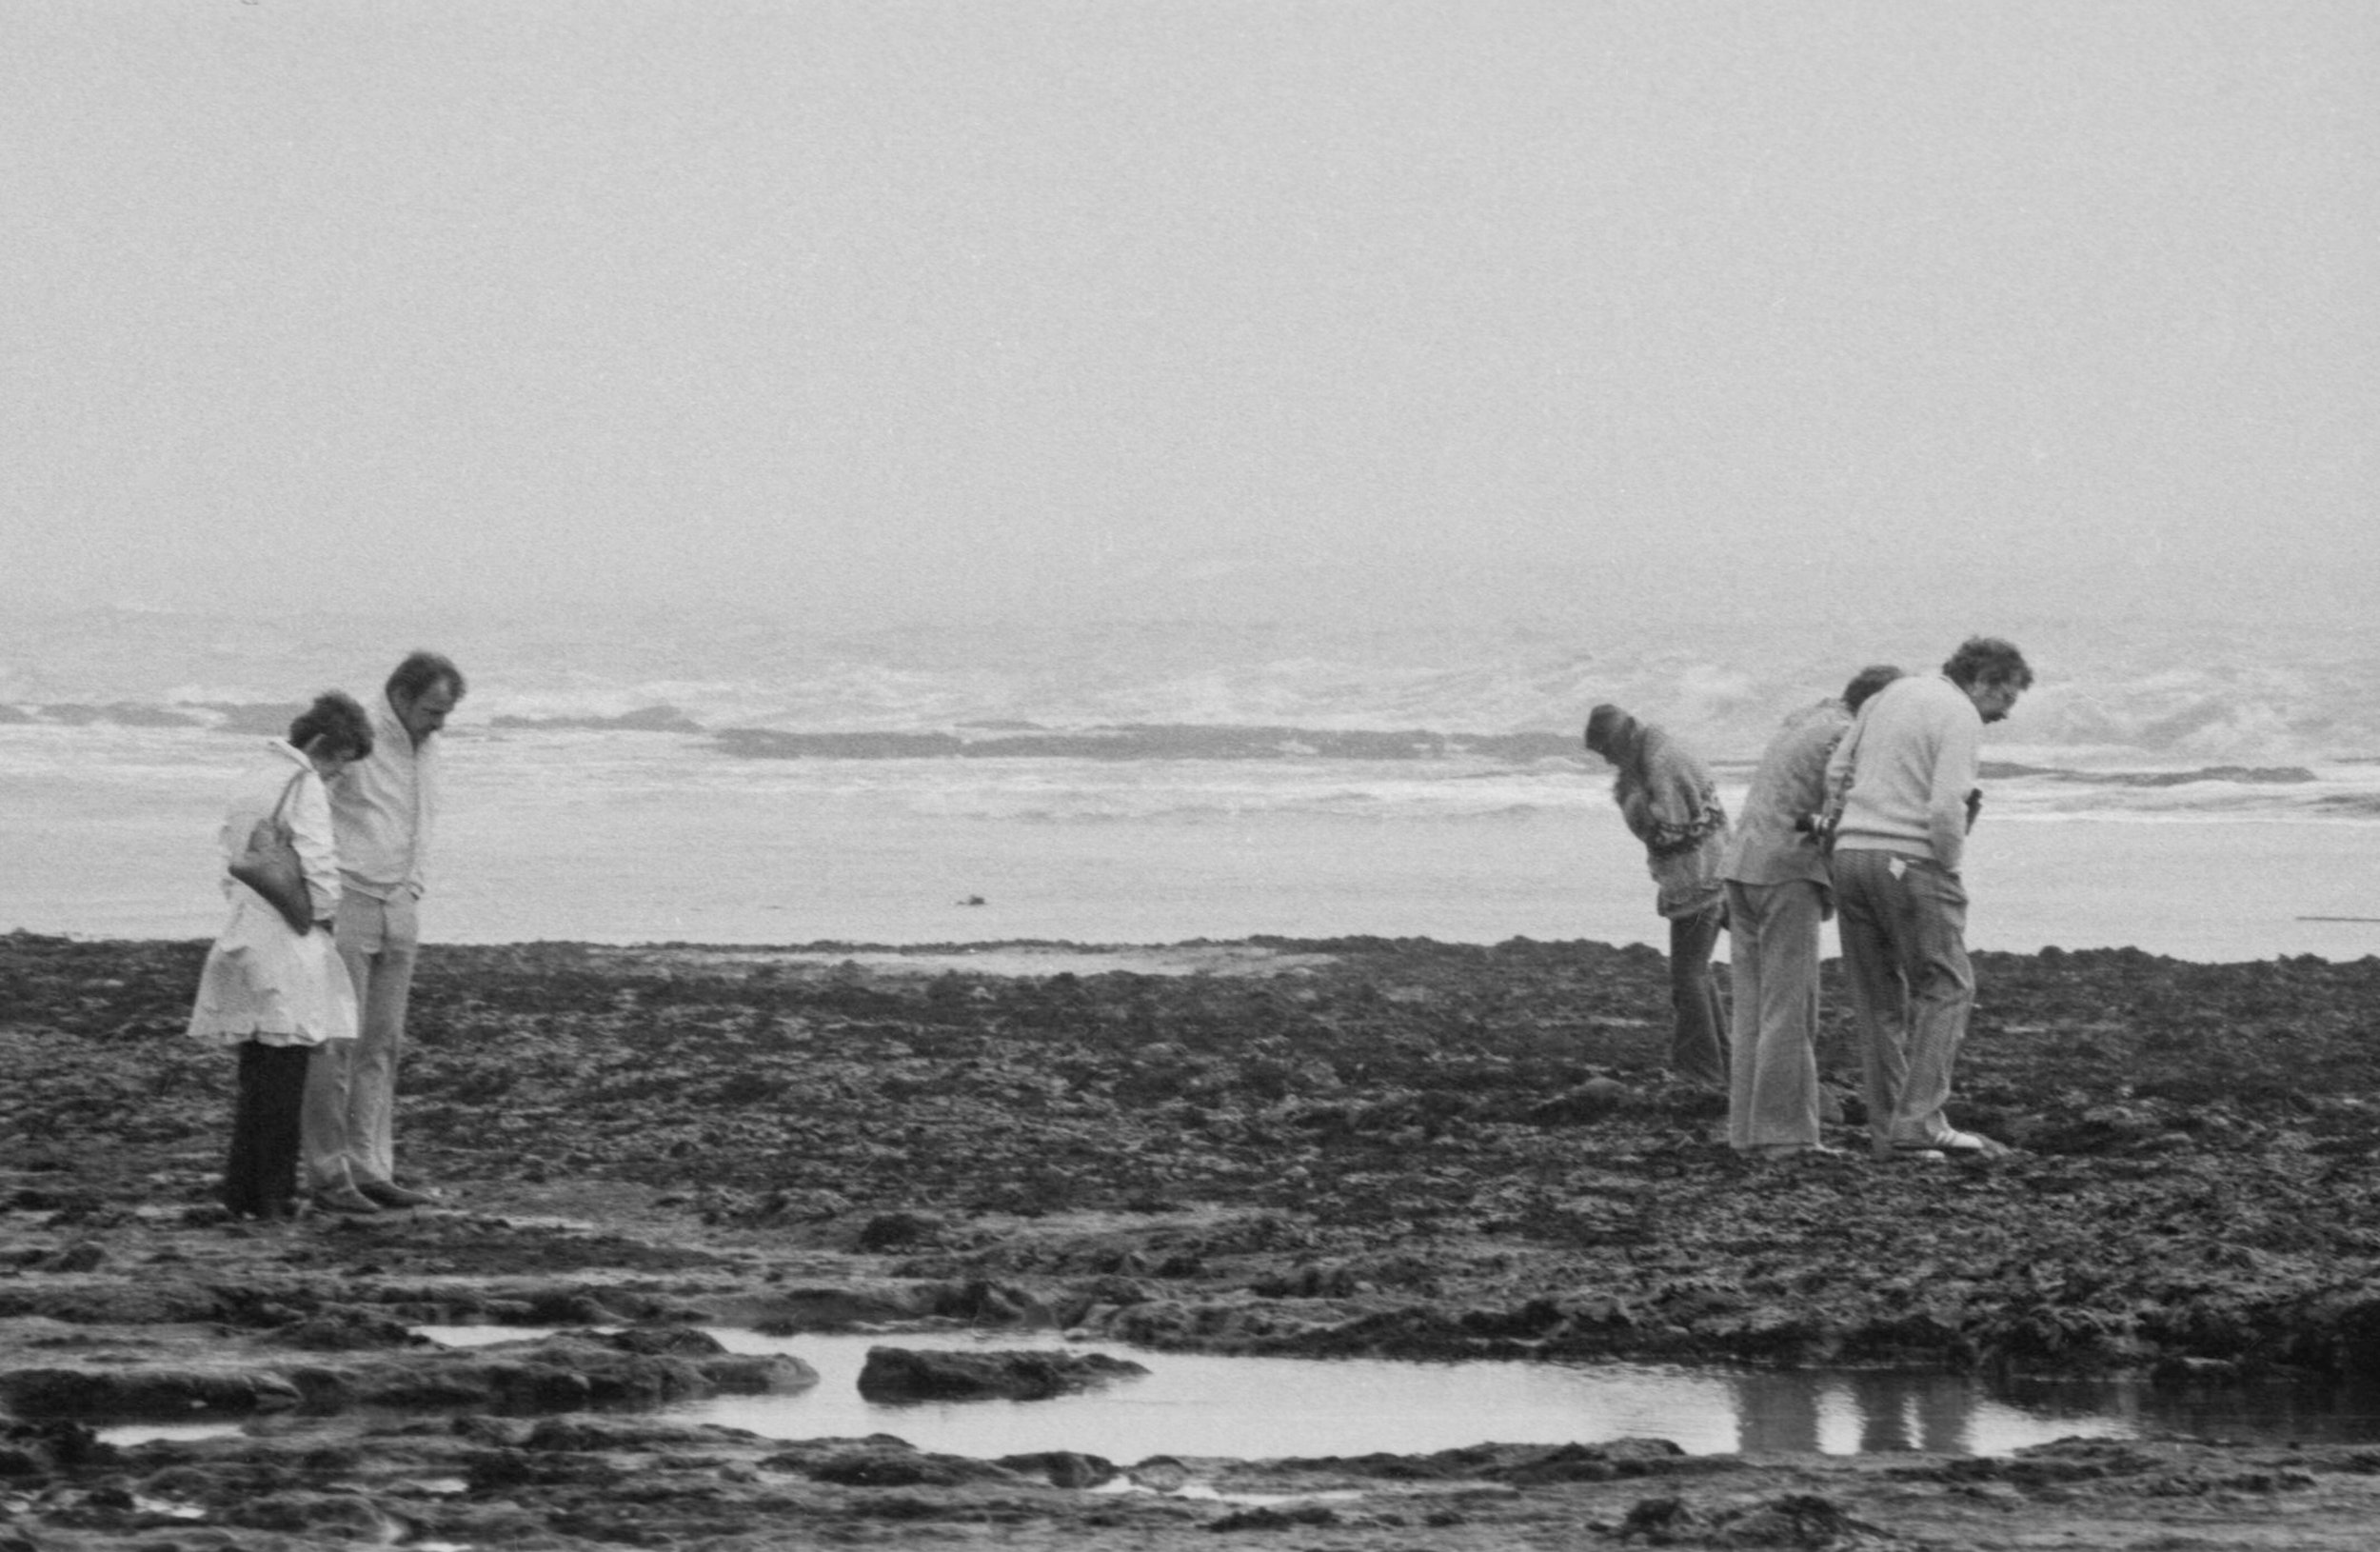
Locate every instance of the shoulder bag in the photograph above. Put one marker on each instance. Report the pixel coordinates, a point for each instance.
(269, 865)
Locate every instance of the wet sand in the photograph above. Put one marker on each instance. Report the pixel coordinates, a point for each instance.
(1351, 1147)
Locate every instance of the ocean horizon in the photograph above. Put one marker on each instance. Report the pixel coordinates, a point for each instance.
(729, 783)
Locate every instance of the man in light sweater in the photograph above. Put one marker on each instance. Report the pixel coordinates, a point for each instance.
(381, 810)
(1904, 785)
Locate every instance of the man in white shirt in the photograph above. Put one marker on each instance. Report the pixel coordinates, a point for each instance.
(382, 809)
(1904, 781)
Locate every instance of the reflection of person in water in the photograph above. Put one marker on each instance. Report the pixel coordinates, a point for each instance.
(1776, 1412)
(1781, 1413)
(1939, 1405)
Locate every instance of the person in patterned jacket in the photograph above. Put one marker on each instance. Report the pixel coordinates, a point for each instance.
(1665, 795)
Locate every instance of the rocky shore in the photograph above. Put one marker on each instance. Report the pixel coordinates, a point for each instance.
(1358, 1147)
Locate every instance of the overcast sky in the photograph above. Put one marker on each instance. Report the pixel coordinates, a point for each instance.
(878, 311)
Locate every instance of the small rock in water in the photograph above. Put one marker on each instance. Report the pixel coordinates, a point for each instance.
(907, 1374)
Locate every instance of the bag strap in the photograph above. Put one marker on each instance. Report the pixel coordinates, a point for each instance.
(281, 807)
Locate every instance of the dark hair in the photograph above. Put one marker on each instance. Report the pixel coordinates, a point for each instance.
(1987, 660)
(1867, 681)
(1607, 728)
(419, 671)
(335, 716)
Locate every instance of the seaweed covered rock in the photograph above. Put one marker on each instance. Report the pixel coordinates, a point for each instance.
(906, 1374)
(71, 1391)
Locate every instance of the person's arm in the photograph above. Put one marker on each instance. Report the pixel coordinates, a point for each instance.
(310, 834)
(426, 763)
(1635, 810)
(1681, 810)
(1953, 778)
(1840, 767)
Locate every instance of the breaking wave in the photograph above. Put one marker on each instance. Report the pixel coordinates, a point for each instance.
(2111, 702)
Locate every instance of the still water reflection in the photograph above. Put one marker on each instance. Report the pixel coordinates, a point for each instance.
(1258, 1407)
(1255, 1408)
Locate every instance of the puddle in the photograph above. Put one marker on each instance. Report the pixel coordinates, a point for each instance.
(1207, 1493)
(145, 1433)
(1255, 1407)
(1252, 1408)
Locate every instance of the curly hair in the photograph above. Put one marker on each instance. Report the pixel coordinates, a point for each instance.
(1987, 660)
(335, 716)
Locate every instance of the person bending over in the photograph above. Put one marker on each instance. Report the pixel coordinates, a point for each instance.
(1666, 797)
(1902, 785)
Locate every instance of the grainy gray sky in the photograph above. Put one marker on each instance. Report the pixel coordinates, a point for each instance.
(870, 312)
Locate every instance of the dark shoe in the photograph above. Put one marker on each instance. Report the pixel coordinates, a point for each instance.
(345, 1198)
(390, 1194)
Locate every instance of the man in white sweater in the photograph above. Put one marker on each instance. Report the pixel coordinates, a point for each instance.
(1904, 781)
(383, 809)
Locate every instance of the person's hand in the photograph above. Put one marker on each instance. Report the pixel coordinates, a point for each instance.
(1975, 805)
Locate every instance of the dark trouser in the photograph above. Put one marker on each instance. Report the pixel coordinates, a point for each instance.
(261, 1175)
(1697, 1047)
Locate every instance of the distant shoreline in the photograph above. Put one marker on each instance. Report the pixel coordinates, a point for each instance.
(1256, 955)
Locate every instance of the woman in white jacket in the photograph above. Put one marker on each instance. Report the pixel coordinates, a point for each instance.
(274, 985)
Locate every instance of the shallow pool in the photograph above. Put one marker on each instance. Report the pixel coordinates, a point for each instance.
(1258, 1407)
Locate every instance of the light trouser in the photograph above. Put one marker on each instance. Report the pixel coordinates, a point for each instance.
(1904, 926)
(1773, 1088)
(351, 1085)
(1697, 1048)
